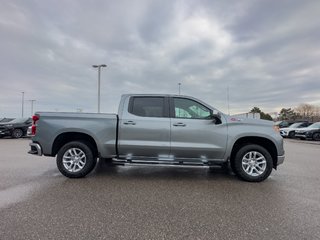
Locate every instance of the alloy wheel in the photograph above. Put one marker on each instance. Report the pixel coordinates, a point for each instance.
(74, 159)
(254, 163)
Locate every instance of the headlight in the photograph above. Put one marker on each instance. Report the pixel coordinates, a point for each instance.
(276, 128)
(9, 125)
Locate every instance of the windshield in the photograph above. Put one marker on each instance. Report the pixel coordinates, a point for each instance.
(315, 125)
(18, 120)
(295, 125)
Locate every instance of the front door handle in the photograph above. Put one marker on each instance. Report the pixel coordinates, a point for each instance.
(129, 123)
(179, 124)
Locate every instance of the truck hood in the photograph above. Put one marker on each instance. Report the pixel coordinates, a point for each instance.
(248, 121)
(290, 129)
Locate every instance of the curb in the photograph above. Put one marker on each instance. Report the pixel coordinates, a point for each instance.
(302, 141)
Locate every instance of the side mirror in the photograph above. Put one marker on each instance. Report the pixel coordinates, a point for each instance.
(216, 118)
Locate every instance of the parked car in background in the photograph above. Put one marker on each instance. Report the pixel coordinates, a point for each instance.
(290, 131)
(16, 128)
(311, 132)
(282, 124)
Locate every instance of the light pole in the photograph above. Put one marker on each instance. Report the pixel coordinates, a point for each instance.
(179, 84)
(228, 100)
(32, 101)
(22, 104)
(99, 70)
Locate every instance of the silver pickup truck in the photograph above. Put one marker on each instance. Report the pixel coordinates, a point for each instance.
(158, 129)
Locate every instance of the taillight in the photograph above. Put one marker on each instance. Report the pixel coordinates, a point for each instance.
(35, 118)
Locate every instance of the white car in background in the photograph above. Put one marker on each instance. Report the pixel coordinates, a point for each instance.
(291, 130)
(29, 132)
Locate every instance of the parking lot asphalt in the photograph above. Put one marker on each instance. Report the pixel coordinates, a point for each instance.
(148, 202)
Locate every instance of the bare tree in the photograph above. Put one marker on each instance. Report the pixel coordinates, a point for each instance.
(306, 111)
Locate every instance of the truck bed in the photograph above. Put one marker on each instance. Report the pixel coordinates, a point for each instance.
(53, 126)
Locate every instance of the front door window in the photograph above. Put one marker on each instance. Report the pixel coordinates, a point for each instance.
(186, 108)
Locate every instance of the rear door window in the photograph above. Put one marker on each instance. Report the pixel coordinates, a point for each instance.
(148, 106)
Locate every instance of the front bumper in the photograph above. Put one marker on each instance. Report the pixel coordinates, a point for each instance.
(300, 135)
(35, 149)
(309, 134)
(283, 133)
(280, 160)
(5, 132)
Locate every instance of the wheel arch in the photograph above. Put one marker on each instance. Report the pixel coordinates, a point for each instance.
(261, 141)
(66, 137)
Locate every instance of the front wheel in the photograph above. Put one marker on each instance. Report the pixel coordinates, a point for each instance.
(316, 136)
(75, 159)
(253, 163)
(291, 134)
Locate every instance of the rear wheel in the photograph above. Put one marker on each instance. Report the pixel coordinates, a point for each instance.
(316, 136)
(76, 159)
(253, 163)
(17, 133)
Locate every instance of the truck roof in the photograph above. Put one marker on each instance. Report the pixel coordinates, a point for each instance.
(155, 95)
(169, 95)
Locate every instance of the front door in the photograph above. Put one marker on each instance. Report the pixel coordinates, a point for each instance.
(194, 134)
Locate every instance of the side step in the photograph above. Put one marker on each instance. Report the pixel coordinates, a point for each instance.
(165, 163)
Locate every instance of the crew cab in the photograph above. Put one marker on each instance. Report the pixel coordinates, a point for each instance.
(158, 129)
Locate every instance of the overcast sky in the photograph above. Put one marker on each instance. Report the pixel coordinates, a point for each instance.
(267, 52)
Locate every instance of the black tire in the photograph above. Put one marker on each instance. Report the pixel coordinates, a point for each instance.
(291, 134)
(316, 136)
(77, 151)
(17, 133)
(263, 156)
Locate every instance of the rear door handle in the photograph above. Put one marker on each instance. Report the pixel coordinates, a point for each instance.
(179, 124)
(129, 123)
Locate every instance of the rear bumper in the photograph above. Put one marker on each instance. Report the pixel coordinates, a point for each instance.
(35, 149)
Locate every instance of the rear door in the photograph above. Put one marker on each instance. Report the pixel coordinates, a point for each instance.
(144, 128)
(194, 134)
